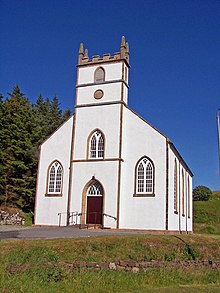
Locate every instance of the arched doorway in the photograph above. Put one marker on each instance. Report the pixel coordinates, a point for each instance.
(92, 204)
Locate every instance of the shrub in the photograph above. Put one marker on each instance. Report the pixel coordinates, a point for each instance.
(202, 193)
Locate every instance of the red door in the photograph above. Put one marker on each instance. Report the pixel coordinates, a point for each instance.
(94, 210)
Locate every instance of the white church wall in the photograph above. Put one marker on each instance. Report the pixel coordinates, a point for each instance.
(106, 118)
(111, 93)
(190, 208)
(125, 93)
(113, 71)
(56, 147)
(176, 220)
(107, 174)
(141, 139)
(186, 213)
(173, 216)
(182, 209)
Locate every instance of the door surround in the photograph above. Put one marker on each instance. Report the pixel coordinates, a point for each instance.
(84, 199)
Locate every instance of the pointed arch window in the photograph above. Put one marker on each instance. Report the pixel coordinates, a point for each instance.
(95, 189)
(97, 145)
(189, 198)
(55, 174)
(99, 75)
(183, 194)
(144, 177)
(175, 188)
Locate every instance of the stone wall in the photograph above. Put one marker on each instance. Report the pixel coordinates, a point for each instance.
(11, 218)
(129, 266)
(136, 267)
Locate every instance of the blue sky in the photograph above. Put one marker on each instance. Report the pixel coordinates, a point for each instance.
(174, 57)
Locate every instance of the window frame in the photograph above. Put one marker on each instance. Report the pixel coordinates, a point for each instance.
(175, 187)
(48, 182)
(95, 75)
(97, 150)
(189, 197)
(144, 193)
(183, 193)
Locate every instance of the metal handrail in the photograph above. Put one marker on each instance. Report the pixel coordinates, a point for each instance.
(71, 214)
(110, 216)
(76, 214)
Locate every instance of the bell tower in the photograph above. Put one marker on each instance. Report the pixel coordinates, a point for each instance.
(102, 80)
(101, 96)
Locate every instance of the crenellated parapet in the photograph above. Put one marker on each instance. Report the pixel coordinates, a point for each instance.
(83, 57)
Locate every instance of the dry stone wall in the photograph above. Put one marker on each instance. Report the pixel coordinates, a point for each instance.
(136, 267)
(11, 218)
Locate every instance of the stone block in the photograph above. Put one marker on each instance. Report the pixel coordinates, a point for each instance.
(135, 270)
(112, 266)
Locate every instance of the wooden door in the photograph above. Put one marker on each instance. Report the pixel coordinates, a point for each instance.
(94, 210)
(94, 204)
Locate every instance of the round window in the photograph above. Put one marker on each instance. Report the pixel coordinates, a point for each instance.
(98, 94)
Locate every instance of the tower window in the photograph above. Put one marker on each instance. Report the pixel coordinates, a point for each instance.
(99, 75)
(97, 144)
(144, 177)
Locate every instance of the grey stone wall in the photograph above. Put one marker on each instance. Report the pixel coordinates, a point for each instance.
(136, 267)
(11, 218)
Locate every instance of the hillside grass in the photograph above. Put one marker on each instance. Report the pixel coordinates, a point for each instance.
(39, 268)
(39, 261)
(207, 215)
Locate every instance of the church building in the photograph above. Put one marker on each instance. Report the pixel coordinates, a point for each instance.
(108, 166)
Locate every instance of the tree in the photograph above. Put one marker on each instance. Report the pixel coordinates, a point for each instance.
(201, 193)
(23, 127)
(17, 181)
(1, 149)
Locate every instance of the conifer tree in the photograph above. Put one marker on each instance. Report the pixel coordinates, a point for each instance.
(1, 150)
(23, 127)
(17, 160)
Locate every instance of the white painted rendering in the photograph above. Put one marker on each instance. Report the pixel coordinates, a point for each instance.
(56, 147)
(127, 138)
(138, 136)
(113, 72)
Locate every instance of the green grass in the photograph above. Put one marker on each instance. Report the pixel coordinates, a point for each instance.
(37, 264)
(114, 248)
(111, 281)
(207, 215)
(28, 219)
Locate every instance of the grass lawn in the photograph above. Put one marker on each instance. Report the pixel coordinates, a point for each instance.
(39, 269)
(207, 215)
(38, 262)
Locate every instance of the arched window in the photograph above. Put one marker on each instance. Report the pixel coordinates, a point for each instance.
(95, 189)
(189, 203)
(144, 177)
(183, 194)
(175, 187)
(99, 75)
(55, 173)
(97, 145)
